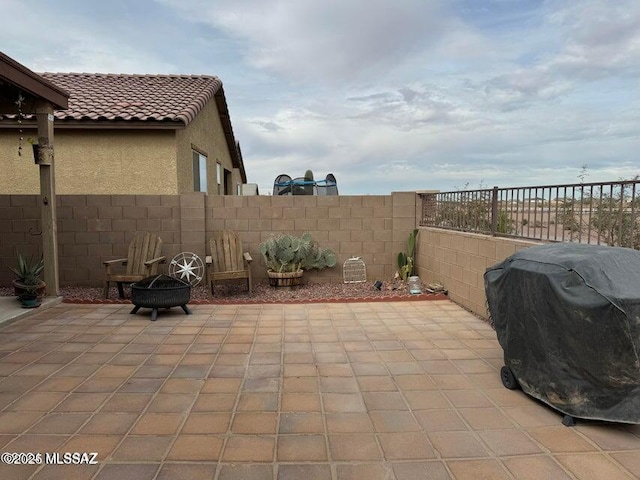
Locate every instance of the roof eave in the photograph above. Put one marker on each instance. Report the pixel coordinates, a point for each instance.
(225, 119)
(17, 74)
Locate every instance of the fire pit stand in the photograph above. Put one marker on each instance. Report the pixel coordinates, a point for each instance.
(160, 291)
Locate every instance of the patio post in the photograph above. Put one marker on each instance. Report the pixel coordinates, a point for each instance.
(44, 114)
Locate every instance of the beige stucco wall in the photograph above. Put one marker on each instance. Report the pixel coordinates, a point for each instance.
(206, 135)
(95, 162)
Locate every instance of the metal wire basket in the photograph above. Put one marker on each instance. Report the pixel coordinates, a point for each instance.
(354, 270)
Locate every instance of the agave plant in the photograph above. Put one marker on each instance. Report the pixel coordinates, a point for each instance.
(287, 253)
(29, 270)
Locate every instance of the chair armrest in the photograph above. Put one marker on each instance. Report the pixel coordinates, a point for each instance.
(162, 259)
(247, 257)
(117, 260)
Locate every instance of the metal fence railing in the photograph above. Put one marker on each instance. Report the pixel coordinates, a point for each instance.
(598, 213)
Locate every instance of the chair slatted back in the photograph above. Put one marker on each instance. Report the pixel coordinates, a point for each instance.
(144, 247)
(226, 252)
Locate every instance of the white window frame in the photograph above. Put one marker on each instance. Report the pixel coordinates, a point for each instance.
(199, 171)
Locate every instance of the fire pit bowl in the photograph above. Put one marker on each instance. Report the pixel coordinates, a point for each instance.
(160, 291)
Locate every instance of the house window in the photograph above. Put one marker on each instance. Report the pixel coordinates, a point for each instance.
(219, 178)
(238, 189)
(228, 182)
(199, 172)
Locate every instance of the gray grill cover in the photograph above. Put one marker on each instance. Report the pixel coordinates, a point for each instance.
(568, 319)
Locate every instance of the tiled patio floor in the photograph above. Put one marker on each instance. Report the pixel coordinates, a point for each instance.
(406, 390)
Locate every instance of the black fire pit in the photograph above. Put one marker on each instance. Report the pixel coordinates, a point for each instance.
(160, 291)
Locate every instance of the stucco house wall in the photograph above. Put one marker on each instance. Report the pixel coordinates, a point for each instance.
(95, 162)
(204, 134)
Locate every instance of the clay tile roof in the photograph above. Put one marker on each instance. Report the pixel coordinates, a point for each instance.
(152, 98)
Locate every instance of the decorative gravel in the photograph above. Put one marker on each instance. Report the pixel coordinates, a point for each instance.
(262, 293)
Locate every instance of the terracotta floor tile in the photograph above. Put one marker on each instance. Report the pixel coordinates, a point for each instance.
(152, 371)
(60, 423)
(485, 418)
(592, 466)
(533, 415)
(249, 448)
(18, 422)
(335, 370)
(343, 402)
(37, 401)
(610, 437)
(510, 442)
(300, 385)
(406, 446)
(354, 447)
(476, 469)
(467, 398)
(414, 382)
(81, 402)
(182, 385)
(301, 422)
(560, 439)
(362, 471)
(127, 402)
(367, 369)
(349, 423)
(306, 472)
(452, 382)
(338, 385)
(630, 460)
(301, 448)
(195, 448)
(376, 384)
(172, 402)
(206, 423)
(124, 471)
(214, 403)
(426, 399)
(66, 472)
(59, 384)
(37, 443)
(109, 423)
(142, 385)
(457, 444)
(258, 402)
(221, 385)
(235, 471)
(255, 423)
(18, 472)
(182, 471)
(142, 448)
(535, 468)
(103, 445)
(158, 424)
(433, 470)
(384, 401)
(98, 385)
(394, 421)
(261, 385)
(119, 371)
(439, 420)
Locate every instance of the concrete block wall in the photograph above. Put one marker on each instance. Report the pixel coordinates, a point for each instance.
(94, 228)
(20, 229)
(458, 261)
(373, 227)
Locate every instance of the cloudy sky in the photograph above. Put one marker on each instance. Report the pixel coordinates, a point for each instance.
(389, 95)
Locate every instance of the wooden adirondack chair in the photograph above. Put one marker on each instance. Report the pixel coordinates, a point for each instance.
(228, 261)
(142, 261)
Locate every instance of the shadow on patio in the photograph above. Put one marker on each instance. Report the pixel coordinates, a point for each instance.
(370, 391)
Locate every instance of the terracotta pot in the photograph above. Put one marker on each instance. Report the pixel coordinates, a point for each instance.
(20, 288)
(284, 279)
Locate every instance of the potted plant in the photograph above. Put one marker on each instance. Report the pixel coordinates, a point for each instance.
(28, 279)
(29, 297)
(287, 256)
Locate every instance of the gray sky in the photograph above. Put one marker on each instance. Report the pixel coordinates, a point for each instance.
(389, 95)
